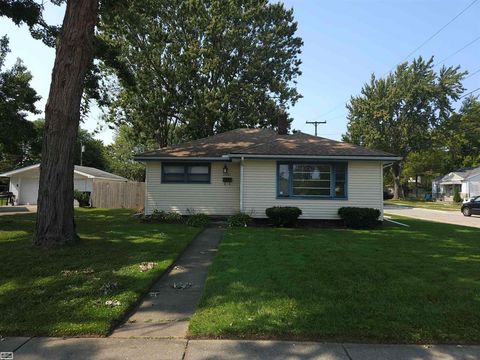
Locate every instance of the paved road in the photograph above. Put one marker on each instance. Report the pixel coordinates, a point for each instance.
(448, 217)
(178, 349)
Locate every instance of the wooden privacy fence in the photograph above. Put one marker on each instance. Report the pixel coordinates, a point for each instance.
(118, 194)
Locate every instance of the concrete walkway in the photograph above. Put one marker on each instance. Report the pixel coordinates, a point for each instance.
(18, 209)
(165, 311)
(447, 217)
(182, 349)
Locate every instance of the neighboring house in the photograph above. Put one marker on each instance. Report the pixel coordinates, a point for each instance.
(24, 181)
(250, 170)
(466, 180)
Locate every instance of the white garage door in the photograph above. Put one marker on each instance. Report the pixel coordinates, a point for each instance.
(28, 191)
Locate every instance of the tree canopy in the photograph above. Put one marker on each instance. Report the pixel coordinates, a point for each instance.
(17, 101)
(121, 153)
(398, 113)
(202, 66)
(461, 135)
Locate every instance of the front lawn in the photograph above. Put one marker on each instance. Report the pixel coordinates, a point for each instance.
(394, 284)
(432, 205)
(63, 291)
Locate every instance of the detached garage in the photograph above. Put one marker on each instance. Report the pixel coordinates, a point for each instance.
(24, 181)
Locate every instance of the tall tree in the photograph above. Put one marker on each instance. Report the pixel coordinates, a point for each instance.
(17, 100)
(203, 66)
(398, 113)
(120, 154)
(74, 54)
(461, 135)
(73, 70)
(94, 154)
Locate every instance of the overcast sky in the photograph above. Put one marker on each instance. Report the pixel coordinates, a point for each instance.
(345, 41)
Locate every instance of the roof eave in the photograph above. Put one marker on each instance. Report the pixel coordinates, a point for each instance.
(181, 158)
(319, 157)
(19, 171)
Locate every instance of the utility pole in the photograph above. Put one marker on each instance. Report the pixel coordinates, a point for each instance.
(316, 123)
(82, 150)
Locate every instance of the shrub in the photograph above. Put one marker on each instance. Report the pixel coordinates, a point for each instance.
(359, 218)
(168, 217)
(283, 215)
(240, 219)
(83, 198)
(197, 219)
(456, 196)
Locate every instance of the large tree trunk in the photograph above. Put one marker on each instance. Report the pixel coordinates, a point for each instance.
(395, 170)
(74, 54)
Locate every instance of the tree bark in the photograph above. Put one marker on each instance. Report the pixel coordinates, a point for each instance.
(74, 53)
(395, 170)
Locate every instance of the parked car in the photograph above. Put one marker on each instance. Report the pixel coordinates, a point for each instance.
(387, 195)
(471, 207)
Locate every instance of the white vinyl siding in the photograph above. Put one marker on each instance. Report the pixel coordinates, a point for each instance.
(215, 198)
(365, 189)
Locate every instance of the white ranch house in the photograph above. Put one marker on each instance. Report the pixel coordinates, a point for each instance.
(250, 170)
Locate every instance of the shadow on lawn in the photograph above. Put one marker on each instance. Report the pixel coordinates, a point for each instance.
(415, 285)
(63, 291)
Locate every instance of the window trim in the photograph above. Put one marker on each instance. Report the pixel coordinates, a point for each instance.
(333, 181)
(186, 165)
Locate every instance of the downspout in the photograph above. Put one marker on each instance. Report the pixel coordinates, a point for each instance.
(382, 169)
(241, 184)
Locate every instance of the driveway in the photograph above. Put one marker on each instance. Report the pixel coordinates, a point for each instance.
(447, 217)
(18, 209)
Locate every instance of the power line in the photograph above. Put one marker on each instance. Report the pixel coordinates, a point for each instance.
(459, 50)
(439, 31)
(470, 93)
(434, 35)
(328, 112)
(470, 75)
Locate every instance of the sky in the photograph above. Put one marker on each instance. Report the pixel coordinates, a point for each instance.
(344, 43)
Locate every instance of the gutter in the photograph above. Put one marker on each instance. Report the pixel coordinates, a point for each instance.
(229, 157)
(180, 158)
(319, 157)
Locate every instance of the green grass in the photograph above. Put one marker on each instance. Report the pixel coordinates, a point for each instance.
(433, 205)
(37, 296)
(393, 284)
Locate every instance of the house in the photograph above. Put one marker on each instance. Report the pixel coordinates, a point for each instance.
(466, 180)
(24, 181)
(250, 170)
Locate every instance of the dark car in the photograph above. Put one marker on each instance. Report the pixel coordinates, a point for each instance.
(387, 195)
(471, 207)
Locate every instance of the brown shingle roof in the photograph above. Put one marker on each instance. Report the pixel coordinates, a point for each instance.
(261, 142)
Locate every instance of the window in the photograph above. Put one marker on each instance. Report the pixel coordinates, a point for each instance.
(185, 173)
(327, 180)
(283, 179)
(311, 179)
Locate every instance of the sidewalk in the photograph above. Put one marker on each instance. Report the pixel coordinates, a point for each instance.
(166, 310)
(178, 349)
